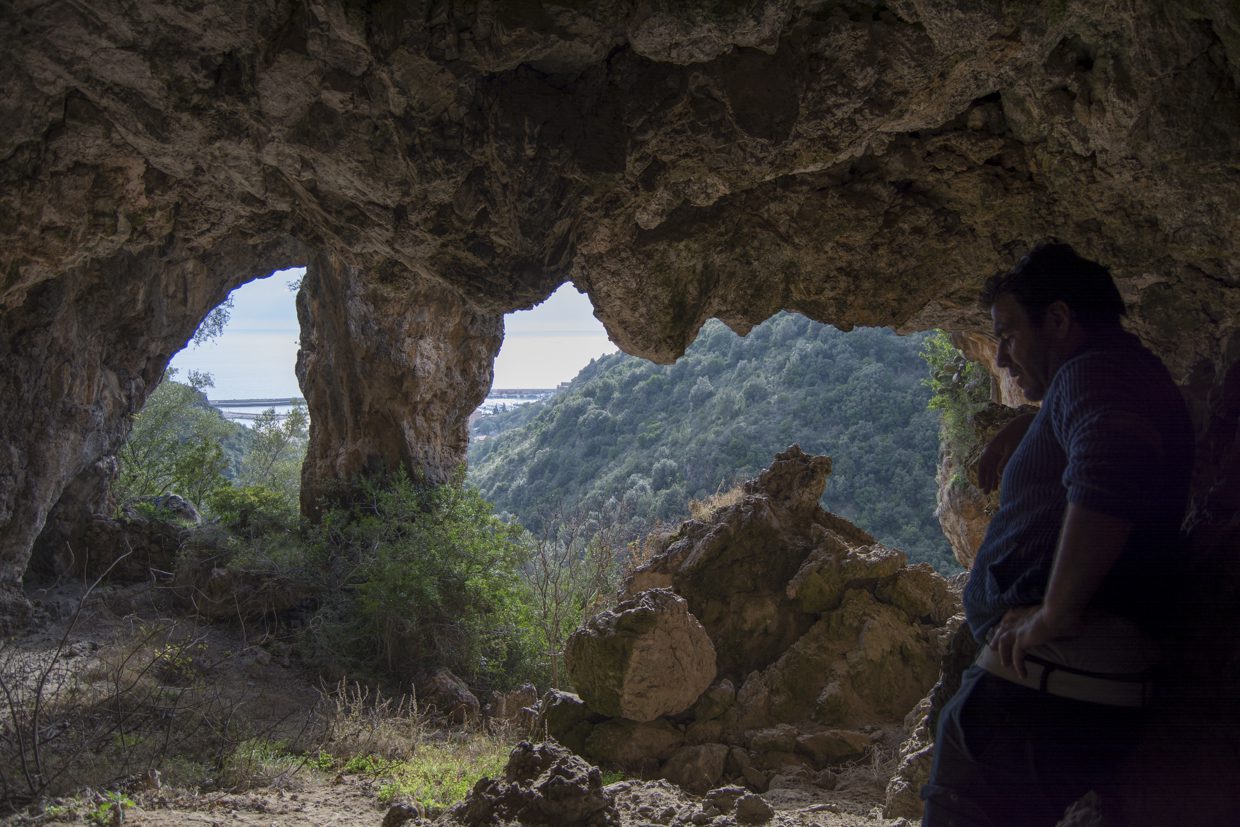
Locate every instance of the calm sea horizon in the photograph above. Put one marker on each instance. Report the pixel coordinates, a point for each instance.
(260, 364)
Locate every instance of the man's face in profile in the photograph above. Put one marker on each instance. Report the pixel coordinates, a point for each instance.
(1023, 347)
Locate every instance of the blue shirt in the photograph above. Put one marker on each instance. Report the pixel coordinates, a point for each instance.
(1113, 435)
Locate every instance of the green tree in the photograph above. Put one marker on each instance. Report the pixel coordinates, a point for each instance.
(176, 444)
(276, 452)
(212, 326)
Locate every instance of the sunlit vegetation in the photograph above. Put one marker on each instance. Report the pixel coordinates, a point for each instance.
(960, 389)
(636, 442)
(179, 444)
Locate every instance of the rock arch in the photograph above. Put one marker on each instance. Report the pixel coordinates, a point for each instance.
(862, 163)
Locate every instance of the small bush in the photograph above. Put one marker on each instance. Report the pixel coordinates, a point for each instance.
(441, 773)
(418, 576)
(252, 510)
(386, 738)
(961, 388)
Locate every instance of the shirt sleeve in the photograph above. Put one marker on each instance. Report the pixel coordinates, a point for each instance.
(1110, 437)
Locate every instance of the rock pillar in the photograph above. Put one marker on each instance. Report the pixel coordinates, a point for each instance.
(80, 354)
(392, 363)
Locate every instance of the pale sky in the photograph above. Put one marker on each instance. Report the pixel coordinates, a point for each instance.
(255, 356)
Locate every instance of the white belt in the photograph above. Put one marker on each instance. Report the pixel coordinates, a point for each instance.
(1131, 690)
(1106, 661)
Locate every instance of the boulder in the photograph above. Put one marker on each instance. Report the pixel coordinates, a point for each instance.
(734, 570)
(697, 768)
(834, 568)
(833, 746)
(645, 658)
(443, 693)
(543, 784)
(877, 630)
(633, 746)
(564, 717)
(753, 809)
(715, 701)
(921, 594)
(866, 663)
(722, 800)
(516, 706)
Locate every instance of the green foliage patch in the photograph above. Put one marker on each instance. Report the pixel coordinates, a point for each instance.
(634, 442)
(960, 389)
(416, 576)
(246, 478)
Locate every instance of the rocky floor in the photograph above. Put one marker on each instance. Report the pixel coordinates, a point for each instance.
(309, 797)
(322, 803)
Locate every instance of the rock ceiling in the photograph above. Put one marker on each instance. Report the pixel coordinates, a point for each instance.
(437, 164)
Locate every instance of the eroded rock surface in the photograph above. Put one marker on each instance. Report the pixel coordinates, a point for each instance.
(543, 784)
(859, 164)
(391, 364)
(645, 658)
(825, 660)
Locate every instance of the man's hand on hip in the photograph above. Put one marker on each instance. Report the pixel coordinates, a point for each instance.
(1021, 629)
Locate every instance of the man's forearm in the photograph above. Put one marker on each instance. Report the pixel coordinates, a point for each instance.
(1089, 544)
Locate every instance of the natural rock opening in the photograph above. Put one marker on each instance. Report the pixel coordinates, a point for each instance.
(859, 164)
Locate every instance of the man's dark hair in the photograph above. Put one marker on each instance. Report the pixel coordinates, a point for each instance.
(1054, 272)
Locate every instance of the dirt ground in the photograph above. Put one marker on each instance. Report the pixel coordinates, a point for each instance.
(250, 674)
(322, 803)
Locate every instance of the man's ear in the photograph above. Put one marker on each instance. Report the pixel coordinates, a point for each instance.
(1058, 318)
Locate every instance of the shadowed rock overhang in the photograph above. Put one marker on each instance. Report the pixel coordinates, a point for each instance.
(437, 165)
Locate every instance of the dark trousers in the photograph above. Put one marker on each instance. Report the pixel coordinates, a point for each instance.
(1007, 756)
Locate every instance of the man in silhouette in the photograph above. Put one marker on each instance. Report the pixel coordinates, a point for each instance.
(1064, 587)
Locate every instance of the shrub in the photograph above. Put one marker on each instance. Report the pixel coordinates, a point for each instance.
(252, 510)
(961, 388)
(420, 576)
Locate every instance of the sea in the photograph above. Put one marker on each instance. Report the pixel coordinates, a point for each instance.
(259, 364)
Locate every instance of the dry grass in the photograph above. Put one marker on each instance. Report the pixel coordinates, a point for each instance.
(410, 759)
(88, 720)
(360, 721)
(150, 699)
(706, 508)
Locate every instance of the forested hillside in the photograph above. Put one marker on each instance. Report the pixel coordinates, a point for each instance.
(634, 442)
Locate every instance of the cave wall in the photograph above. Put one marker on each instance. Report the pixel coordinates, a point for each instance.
(387, 389)
(859, 162)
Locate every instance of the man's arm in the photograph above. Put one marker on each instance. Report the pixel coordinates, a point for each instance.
(995, 457)
(1089, 544)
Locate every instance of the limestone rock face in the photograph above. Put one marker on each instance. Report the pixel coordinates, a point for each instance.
(391, 364)
(646, 658)
(850, 639)
(677, 162)
(917, 751)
